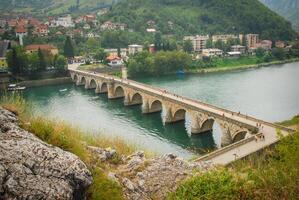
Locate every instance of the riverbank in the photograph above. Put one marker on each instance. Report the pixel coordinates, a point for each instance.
(117, 172)
(45, 82)
(239, 67)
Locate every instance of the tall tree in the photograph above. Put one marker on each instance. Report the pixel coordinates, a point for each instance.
(69, 51)
(188, 46)
(42, 60)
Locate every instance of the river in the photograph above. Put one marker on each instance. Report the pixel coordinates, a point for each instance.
(269, 93)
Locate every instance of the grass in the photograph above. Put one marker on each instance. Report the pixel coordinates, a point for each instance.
(75, 141)
(272, 174)
(292, 122)
(227, 62)
(91, 66)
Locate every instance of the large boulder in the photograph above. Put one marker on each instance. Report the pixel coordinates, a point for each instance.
(32, 169)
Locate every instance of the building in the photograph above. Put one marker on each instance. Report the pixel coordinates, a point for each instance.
(89, 18)
(135, 48)
(265, 44)
(151, 30)
(108, 25)
(42, 30)
(252, 40)
(151, 48)
(111, 52)
(43, 47)
(21, 31)
(223, 38)
(212, 52)
(279, 44)
(5, 46)
(123, 52)
(114, 61)
(65, 22)
(199, 42)
(238, 48)
(234, 54)
(86, 27)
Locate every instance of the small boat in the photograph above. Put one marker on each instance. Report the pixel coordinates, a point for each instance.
(63, 90)
(18, 88)
(12, 85)
(180, 72)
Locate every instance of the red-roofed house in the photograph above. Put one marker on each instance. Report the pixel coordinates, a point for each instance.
(42, 30)
(44, 47)
(89, 18)
(21, 31)
(34, 22)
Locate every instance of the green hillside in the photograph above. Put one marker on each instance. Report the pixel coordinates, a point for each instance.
(51, 7)
(287, 8)
(203, 17)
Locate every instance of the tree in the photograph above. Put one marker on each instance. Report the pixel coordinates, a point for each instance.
(209, 43)
(42, 60)
(100, 55)
(69, 48)
(17, 60)
(188, 46)
(278, 53)
(158, 41)
(260, 52)
(60, 63)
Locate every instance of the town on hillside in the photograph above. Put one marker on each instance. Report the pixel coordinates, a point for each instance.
(34, 48)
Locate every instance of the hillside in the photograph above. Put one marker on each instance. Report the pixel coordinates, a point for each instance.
(287, 8)
(202, 17)
(53, 6)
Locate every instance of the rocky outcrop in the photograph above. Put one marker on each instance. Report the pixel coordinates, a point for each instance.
(145, 179)
(32, 169)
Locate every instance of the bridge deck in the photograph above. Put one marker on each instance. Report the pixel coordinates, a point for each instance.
(221, 156)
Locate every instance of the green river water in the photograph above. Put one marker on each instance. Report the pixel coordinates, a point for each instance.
(269, 93)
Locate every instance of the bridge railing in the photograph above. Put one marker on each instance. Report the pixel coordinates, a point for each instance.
(223, 150)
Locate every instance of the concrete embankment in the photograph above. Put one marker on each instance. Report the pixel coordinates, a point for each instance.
(45, 82)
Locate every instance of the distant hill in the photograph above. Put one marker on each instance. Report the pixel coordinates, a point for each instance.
(202, 16)
(53, 6)
(287, 8)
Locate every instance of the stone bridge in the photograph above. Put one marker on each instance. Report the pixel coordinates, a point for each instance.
(174, 108)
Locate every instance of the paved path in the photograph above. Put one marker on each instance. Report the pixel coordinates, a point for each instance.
(225, 155)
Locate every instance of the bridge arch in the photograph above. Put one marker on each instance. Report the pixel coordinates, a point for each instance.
(207, 125)
(119, 92)
(104, 87)
(83, 80)
(136, 99)
(156, 106)
(92, 84)
(179, 115)
(239, 136)
(75, 78)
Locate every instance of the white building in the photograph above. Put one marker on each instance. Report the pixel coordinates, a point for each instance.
(135, 48)
(66, 22)
(238, 48)
(212, 52)
(223, 38)
(199, 42)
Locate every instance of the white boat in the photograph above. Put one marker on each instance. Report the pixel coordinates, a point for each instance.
(12, 85)
(63, 90)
